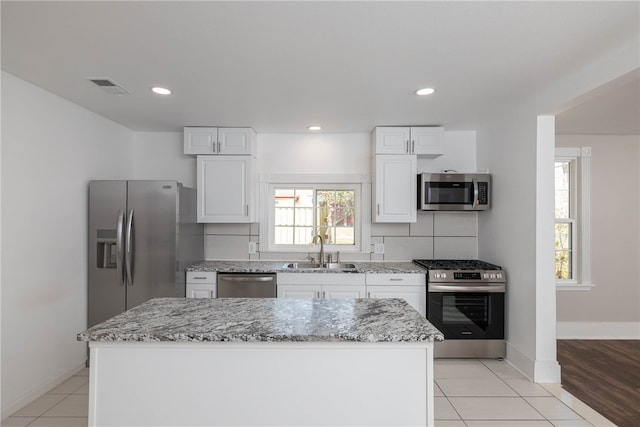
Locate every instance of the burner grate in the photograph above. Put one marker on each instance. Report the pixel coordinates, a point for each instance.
(455, 264)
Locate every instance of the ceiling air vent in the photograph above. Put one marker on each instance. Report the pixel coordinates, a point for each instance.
(109, 86)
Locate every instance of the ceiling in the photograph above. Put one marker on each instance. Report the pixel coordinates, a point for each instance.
(347, 66)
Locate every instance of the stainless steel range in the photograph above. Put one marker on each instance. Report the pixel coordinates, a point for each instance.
(465, 301)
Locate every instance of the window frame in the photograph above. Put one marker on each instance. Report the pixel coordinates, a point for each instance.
(579, 217)
(358, 183)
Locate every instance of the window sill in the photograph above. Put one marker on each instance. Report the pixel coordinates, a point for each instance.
(574, 286)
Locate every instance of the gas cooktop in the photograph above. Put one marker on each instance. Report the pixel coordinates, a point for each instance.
(455, 264)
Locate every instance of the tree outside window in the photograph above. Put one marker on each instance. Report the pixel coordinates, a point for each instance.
(301, 213)
(564, 241)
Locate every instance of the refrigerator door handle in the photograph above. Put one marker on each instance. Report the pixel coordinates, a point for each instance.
(120, 247)
(129, 248)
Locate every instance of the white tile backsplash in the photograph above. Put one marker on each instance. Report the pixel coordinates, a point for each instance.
(354, 257)
(447, 235)
(407, 248)
(228, 229)
(255, 229)
(455, 248)
(455, 224)
(389, 229)
(226, 247)
(286, 256)
(424, 225)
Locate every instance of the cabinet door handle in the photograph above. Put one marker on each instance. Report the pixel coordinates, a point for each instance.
(413, 146)
(395, 280)
(324, 294)
(369, 294)
(406, 146)
(219, 145)
(246, 210)
(198, 278)
(378, 208)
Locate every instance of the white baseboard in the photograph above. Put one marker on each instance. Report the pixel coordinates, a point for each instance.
(598, 330)
(40, 391)
(539, 371)
(520, 361)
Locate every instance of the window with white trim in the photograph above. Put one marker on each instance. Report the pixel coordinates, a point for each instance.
(572, 218)
(565, 209)
(296, 212)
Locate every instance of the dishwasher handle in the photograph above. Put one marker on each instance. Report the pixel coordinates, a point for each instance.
(248, 279)
(247, 285)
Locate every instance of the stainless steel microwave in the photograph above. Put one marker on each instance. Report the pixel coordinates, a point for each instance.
(454, 191)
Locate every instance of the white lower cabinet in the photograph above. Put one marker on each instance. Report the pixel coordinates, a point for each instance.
(201, 284)
(410, 287)
(321, 285)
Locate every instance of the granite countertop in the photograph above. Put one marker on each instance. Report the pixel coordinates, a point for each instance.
(278, 267)
(266, 319)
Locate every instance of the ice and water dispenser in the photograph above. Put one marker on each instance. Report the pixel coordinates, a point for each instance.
(107, 252)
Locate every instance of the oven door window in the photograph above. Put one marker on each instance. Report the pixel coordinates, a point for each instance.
(467, 315)
(449, 193)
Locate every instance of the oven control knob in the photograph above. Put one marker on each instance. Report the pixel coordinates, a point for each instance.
(492, 275)
(499, 275)
(485, 276)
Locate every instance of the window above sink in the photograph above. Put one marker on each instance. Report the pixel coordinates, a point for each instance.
(295, 208)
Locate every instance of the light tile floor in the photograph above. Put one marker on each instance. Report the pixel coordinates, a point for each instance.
(468, 393)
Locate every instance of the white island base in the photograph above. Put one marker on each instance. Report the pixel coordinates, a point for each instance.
(261, 384)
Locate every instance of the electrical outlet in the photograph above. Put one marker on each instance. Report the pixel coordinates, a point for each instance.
(378, 248)
(252, 247)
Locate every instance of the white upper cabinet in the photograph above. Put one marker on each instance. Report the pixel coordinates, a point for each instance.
(423, 141)
(214, 140)
(395, 188)
(227, 189)
(200, 140)
(237, 141)
(391, 140)
(427, 141)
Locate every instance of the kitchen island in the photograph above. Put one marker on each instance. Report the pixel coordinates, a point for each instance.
(267, 362)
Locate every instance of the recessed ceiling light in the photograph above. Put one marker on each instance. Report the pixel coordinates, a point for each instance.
(161, 90)
(314, 128)
(425, 91)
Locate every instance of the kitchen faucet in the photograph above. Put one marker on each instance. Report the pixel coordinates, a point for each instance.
(321, 247)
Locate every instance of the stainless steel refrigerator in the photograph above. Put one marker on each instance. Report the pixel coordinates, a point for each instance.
(142, 235)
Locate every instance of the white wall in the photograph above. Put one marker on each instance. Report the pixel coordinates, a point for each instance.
(615, 242)
(51, 148)
(511, 233)
(159, 155)
(507, 146)
(441, 235)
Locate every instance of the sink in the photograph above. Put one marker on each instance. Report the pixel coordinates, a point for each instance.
(303, 265)
(339, 266)
(317, 266)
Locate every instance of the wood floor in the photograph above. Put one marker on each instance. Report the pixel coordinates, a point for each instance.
(604, 374)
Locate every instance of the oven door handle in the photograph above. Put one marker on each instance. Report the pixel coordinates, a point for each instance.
(463, 288)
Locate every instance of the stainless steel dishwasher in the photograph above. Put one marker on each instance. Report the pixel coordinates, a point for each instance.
(246, 285)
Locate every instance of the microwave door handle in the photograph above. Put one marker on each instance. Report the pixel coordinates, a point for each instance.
(475, 192)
